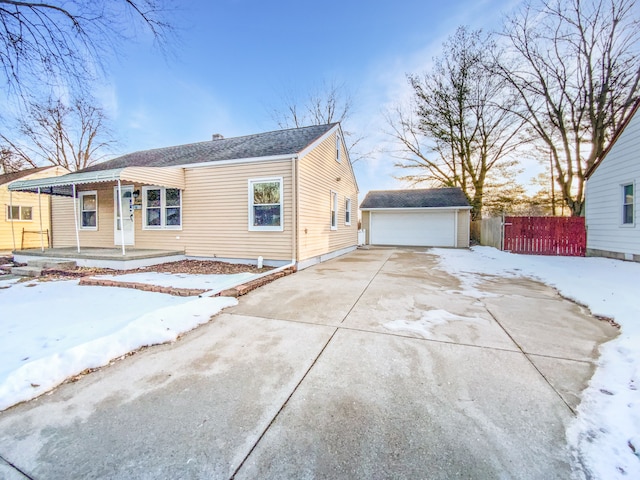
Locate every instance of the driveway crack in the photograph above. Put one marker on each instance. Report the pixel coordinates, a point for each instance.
(315, 360)
(16, 468)
(529, 360)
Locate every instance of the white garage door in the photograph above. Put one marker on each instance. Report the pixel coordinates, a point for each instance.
(432, 229)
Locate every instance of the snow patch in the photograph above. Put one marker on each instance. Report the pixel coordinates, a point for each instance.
(50, 331)
(605, 434)
(429, 320)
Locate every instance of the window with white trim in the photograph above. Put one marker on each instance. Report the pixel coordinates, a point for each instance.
(334, 210)
(338, 148)
(162, 208)
(265, 204)
(88, 210)
(19, 213)
(347, 211)
(628, 196)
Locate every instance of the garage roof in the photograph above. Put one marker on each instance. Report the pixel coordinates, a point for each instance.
(415, 198)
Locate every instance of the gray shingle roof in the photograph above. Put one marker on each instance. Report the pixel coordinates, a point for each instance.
(13, 176)
(281, 142)
(417, 198)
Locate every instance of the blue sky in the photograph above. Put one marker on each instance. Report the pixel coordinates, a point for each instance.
(234, 60)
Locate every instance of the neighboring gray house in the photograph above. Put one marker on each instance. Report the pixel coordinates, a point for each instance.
(437, 217)
(611, 196)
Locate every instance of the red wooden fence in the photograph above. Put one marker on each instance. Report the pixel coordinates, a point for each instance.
(565, 236)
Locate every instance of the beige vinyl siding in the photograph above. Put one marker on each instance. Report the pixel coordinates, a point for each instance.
(62, 222)
(215, 216)
(23, 199)
(318, 172)
(64, 225)
(464, 224)
(166, 176)
(216, 212)
(7, 236)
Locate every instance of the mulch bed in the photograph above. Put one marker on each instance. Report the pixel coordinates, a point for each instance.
(193, 267)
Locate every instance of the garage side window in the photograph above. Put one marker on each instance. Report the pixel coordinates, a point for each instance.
(265, 204)
(88, 210)
(627, 204)
(334, 210)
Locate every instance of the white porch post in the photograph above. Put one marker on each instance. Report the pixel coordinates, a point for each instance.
(121, 216)
(75, 216)
(40, 215)
(13, 233)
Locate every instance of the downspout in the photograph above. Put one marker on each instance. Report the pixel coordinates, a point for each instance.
(121, 216)
(294, 213)
(75, 215)
(40, 215)
(13, 233)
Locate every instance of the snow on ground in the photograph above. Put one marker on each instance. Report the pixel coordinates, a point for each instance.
(50, 331)
(605, 437)
(429, 320)
(183, 280)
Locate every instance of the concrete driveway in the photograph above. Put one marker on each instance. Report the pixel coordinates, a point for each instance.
(373, 365)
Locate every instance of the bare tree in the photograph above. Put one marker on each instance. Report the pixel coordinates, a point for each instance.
(10, 162)
(62, 42)
(460, 126)
(576, 67)
(329, 103)
(74, 136)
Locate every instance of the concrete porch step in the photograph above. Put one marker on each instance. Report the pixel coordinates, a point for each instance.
(27, 271)
(48, 263)
(34, 268)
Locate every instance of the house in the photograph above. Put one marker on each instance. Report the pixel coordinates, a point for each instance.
(26, 219)
(612, 198)
(437, 217)
(285, 196)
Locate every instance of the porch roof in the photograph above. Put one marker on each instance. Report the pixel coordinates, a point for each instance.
(172, 177)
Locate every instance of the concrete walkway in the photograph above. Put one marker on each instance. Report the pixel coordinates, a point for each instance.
(336, 372)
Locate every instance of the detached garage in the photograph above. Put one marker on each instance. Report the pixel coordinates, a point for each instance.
(436, 217)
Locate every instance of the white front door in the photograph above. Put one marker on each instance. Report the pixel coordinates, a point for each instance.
(127, 218)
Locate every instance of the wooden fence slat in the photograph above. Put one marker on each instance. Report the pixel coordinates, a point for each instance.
(565, 236)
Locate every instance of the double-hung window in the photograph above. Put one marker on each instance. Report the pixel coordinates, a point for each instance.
(334, 210)
(628, 195)
(88, 210)
(20, 213)
(347, 211)
(265, 204)
(338, 147)
(162, 208)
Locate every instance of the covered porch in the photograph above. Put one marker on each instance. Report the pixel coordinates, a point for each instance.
(111, 243)
(100, 257)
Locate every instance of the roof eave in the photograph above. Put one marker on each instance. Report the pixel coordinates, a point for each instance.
(395, 209)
